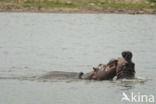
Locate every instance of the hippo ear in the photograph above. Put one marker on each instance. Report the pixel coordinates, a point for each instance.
(95, 69)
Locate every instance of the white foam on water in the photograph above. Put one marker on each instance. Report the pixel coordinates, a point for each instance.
(137, 79)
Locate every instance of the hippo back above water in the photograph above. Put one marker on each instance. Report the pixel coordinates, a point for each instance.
(60, 75)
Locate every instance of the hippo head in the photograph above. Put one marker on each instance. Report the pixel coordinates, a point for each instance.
(127, 55)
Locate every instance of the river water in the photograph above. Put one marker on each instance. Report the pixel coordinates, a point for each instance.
(32, 44)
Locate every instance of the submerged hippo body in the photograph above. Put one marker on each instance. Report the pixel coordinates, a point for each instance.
(61, 75)
(66, 75)
(104, 75)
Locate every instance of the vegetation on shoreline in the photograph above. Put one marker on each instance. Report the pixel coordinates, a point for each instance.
(127, 4)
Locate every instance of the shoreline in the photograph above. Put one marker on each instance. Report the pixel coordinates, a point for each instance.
(78, 10)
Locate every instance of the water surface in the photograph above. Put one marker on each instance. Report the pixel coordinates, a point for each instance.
(34, 44)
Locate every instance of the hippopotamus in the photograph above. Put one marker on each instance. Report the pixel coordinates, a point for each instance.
(101, 72)
(125, 66)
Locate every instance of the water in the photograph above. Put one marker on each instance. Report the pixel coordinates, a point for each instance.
(34, 44)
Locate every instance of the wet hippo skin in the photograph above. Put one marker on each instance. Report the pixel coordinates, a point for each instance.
(106, 72)
(60, 74)
(125, 66)
(102, 72)
(122, 68)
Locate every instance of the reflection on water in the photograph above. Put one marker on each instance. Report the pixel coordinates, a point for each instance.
(32, 44)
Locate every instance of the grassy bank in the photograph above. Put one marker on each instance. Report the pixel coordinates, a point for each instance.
(78, 4)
